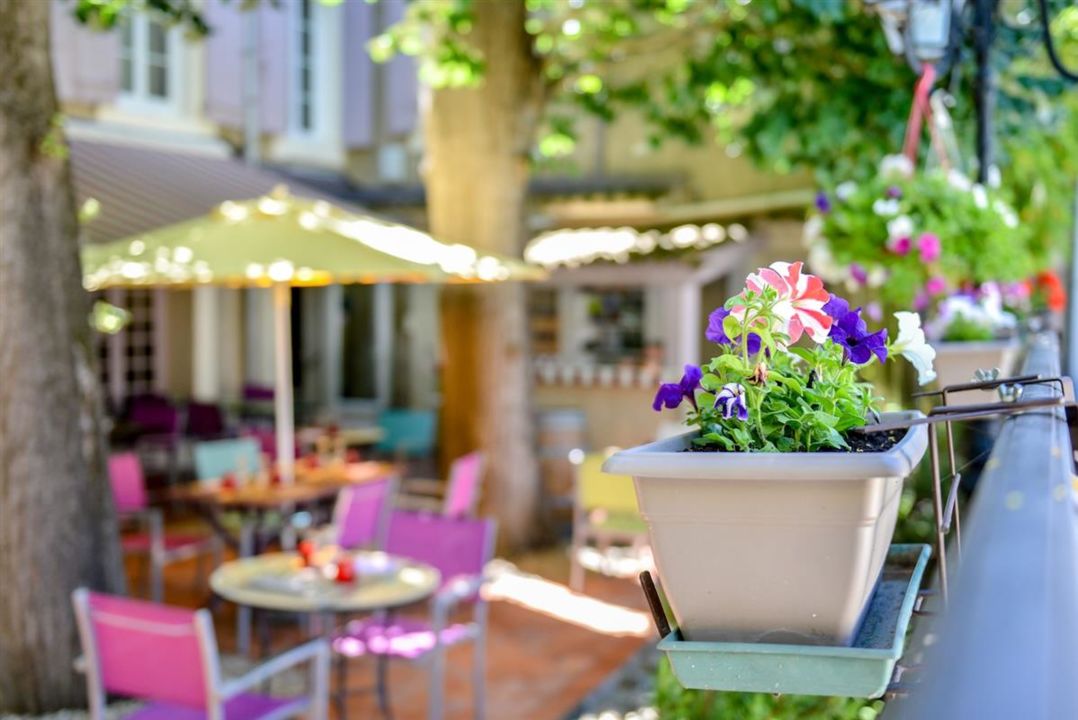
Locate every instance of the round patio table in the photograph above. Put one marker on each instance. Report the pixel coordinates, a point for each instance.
(279, 581)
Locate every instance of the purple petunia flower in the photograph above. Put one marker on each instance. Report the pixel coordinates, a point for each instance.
(894, 192)
(670, 395)
(823, 203)
(716, 333)
(849, 330)
(731, 402)
(858, 273)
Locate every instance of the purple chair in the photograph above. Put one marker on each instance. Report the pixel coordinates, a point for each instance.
(159, 438)
(460, 549)
(205, 421)
(459, 496)
(161, 548)
(361, 514)
(168, 657)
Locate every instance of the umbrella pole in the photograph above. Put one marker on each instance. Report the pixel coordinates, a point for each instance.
(282, 394)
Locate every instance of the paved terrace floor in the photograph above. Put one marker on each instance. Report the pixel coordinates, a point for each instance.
(547, 650)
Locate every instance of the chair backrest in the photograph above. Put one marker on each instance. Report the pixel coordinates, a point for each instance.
(145, 650)
(362, 513)
(204, 420)
(154, 414)
(254, 391)
(465, 481)
(219, 457)
(455, 546)
(409, 432)
(128, 483)
(596, 489)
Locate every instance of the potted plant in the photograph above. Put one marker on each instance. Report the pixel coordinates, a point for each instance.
(771, 519)
(920, 239)
(971, 331)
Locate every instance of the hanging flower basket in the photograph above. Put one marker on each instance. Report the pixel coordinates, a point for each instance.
(771, 520)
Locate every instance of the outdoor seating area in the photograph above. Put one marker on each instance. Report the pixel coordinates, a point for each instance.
(538, 359)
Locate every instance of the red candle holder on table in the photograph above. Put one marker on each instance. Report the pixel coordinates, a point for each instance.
(346, 570)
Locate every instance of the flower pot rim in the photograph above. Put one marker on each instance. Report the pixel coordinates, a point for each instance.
(666, 458)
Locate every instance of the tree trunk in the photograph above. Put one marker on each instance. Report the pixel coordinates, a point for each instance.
(478, 142)
(57, 525)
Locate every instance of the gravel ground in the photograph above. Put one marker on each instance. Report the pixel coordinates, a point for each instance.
(627, 694)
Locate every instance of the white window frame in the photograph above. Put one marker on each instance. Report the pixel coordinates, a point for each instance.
(138, 99)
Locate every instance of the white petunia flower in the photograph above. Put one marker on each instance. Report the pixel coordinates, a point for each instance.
(896, 166)
(1010, 219)
(980, 196)
(912, 345)
(958, 180)
(900, 227)
(811, 232)
(885, 208)
(845, 190)
(877, 276)
(822, 262)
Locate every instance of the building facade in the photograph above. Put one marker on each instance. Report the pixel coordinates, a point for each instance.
(289, 89)
(287, 92)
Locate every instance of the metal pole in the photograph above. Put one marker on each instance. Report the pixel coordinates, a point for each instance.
(282, 394)
(1071, 334)
(984, 86)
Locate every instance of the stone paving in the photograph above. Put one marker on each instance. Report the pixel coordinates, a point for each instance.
(627, 694)
(547, 653)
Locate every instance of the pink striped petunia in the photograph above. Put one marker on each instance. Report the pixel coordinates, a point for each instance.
(801, 299)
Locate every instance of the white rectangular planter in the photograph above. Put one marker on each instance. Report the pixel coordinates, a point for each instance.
(956, 362)
(769, 547)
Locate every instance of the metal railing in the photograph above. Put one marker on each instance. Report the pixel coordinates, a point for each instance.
(1007, 646)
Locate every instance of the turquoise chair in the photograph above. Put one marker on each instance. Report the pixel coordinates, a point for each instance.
(407, 433)
(219, 457)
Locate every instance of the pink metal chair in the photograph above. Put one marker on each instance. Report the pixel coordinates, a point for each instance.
(460, 549)
(168, 657)
(459, 496)
(361, 514)
(161, 548)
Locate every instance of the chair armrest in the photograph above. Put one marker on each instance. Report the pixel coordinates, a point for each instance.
(423, 486)
(458, 590)
(313, 650)
(152, 522)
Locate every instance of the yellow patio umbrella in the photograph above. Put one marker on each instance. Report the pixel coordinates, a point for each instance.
(279, 241)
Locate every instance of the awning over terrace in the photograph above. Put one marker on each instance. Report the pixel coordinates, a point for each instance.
(141, 189)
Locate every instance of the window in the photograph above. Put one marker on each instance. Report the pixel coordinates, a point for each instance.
(303, 75)
(128, 359)
(146, 62)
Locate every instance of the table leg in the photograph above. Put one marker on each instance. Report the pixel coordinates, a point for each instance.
(382, 670)
(243, 612)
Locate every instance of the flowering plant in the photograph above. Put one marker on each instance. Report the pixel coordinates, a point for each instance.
(977, 315)
(916, 237)
(764, 392)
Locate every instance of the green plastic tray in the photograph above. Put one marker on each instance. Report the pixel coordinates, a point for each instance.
(861, 670)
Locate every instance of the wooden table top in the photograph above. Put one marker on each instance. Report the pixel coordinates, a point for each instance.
(312, 484)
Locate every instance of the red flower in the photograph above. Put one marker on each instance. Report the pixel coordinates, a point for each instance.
(1052, 290)
(801, 299)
